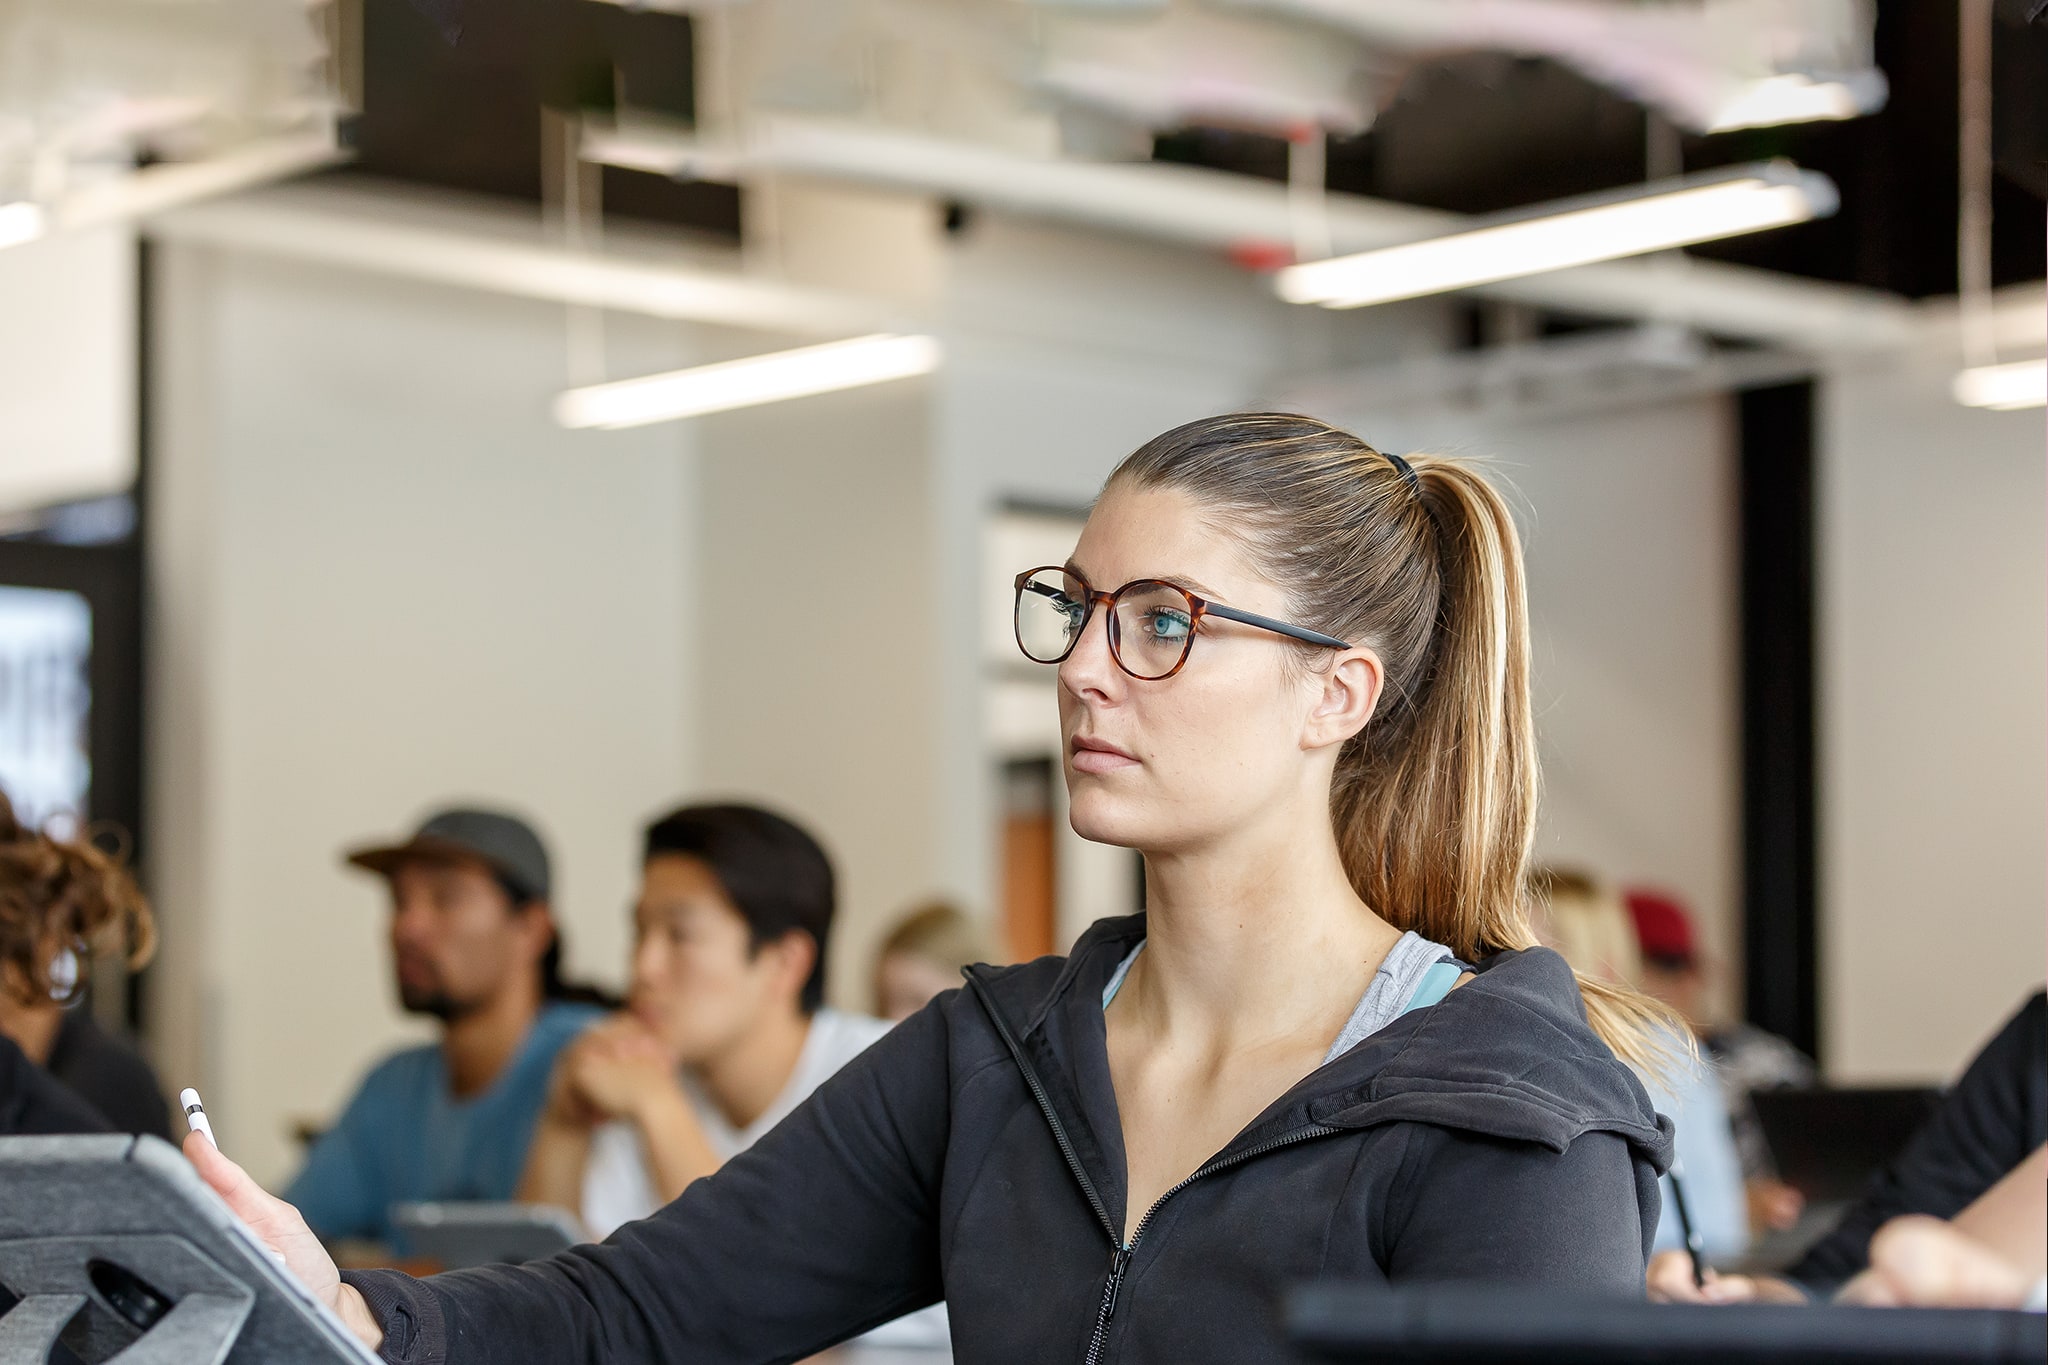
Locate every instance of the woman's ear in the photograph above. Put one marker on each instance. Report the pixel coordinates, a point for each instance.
(1350, 694)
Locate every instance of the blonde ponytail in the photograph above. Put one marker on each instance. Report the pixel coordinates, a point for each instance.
(1434, 802)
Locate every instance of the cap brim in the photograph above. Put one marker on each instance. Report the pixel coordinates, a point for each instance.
(385, 859)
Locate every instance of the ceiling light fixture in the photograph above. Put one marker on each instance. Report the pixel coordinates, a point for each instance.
(20, 222)
(746, 383)
(1791, 98)
(2003, 388)
(1569, 232)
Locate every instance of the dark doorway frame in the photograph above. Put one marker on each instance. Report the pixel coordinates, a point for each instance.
(1780, 824)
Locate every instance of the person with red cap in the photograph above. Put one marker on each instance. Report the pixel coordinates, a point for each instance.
(1745, 1058)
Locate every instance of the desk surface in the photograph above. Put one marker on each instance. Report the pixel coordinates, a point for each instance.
(856, 1353)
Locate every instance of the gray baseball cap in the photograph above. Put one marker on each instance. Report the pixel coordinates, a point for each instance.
(504, 843)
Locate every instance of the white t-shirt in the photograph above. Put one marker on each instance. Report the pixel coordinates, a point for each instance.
(617, 1186)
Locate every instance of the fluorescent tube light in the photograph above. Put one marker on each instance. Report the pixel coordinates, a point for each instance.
(1566, 233)
(745, 383)
(1786, 99)
(2004, 388)
(20, 222)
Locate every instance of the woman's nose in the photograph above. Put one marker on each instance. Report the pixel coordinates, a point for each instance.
(1089, 668)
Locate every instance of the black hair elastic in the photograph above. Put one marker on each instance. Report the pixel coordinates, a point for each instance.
(1407, 473)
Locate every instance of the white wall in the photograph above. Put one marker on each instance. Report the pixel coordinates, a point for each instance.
(819, 686)
(385, 580)
(67, 367)
(1628, 520)
(1934, 678)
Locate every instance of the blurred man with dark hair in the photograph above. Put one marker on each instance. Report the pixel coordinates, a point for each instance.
(473, 945)
(725, 1032)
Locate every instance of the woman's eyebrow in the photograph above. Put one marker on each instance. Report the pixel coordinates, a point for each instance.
(1178, 580)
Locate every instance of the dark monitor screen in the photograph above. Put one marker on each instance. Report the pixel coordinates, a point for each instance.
(46, 638)
(1828, 1142)
(1453, 1324)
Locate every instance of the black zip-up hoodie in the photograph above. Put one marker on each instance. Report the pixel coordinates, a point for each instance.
(974, 1155)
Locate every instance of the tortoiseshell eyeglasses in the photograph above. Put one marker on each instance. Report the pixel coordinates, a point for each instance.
(1152, 623)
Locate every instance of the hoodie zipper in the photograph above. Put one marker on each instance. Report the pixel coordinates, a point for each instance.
(1121, 1253)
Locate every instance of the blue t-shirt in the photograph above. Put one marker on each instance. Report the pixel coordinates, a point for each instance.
(1712, 1169)
(405, 1137)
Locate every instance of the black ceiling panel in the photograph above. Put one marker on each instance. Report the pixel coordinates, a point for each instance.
(453, 92)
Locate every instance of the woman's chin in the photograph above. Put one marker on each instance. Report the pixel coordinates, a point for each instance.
(1102, 821)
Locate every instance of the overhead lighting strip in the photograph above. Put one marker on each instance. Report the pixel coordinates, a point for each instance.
(2003, 388)
(770, 378)
(1566, 233)
(20, 222)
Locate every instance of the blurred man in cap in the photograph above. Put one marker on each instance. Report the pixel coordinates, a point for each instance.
(474, 945)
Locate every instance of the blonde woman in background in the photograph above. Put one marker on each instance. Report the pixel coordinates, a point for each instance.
(922, 957)
(1588, 923)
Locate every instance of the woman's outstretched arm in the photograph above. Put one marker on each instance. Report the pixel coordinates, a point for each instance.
(826, 1227)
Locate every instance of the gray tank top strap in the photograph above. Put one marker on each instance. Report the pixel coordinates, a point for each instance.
(1393, 986)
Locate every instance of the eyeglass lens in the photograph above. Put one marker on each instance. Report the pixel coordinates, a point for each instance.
(1154, 622)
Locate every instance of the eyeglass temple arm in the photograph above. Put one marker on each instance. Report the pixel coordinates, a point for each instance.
(1250, 618)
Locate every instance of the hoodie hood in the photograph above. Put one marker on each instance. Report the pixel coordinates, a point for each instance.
(1508, 1055)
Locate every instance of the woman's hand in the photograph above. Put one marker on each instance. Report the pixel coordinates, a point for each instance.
(279, 1227)
(1670, 1281)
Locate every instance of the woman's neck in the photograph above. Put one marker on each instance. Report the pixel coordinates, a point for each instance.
(1254, 938)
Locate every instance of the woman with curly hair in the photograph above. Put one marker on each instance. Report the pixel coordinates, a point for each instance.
(61, 902)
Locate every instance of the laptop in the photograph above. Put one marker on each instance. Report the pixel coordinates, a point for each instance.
(1827, 1142)
(457, 1235)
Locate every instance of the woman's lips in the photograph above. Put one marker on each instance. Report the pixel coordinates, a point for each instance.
(1094, 756)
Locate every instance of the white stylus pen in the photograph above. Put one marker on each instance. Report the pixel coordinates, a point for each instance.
(195, 1114)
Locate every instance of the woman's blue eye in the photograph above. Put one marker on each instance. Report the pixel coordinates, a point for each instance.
(1161, 623)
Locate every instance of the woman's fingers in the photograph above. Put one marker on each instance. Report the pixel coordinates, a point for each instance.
(248, 1199)
(1867, 1290)
(276, 1224)
(1729, 1289)
(1670, 1279)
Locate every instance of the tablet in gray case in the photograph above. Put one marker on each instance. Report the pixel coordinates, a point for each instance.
(114, 1252)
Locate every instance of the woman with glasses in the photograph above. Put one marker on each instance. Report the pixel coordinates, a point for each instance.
(1293, 673)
